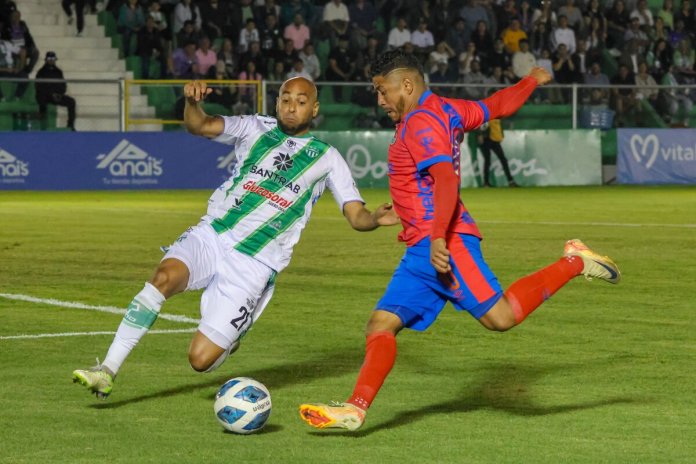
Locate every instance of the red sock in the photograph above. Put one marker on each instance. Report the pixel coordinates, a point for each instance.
(526, 294)
(380, 354)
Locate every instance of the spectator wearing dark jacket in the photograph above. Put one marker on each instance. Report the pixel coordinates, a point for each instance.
(17, 32)
(53, 93)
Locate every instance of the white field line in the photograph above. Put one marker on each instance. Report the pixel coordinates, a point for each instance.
(103, 309)
(78, 334)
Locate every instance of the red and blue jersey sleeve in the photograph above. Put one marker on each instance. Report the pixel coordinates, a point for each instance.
(427, 137)
(472, 113)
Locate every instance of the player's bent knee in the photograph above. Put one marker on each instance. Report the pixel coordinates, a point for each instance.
(199, 363)
(171, 277)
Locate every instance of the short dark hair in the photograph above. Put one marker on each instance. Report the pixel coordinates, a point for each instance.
(393, 59)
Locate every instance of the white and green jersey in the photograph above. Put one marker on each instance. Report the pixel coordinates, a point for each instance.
(263, 207)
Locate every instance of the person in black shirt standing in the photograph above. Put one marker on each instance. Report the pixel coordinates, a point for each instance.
(53, 93)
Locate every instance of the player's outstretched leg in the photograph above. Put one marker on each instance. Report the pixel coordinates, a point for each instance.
(333, 415)
(98, 380)
(595, 265)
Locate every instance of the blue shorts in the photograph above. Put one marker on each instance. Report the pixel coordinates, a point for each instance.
(417, 294)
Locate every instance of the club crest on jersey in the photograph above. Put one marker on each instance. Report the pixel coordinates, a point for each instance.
(312, 152)
(282, 162)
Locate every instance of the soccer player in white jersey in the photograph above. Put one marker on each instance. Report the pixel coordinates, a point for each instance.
(253, 221)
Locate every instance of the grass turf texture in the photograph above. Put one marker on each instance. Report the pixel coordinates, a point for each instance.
(600, 373)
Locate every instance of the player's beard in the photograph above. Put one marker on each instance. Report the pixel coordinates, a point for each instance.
(400, 105)
(301, 127)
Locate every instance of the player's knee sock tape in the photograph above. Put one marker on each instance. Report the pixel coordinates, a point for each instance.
(141, 315)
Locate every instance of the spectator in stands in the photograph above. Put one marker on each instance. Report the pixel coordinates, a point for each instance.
(206, 59)
(226, 94)
(632, 56)
(475, 76)
(13, 68)
(268, 7)
(150, 47)
(540, 39)
(523, 60)
(215, 19)
(504, 14)
(624, 98)
(667, 14)
(674, 98)
(512, 35)
(545, 14)
(573, 14)
(188, 33)
(247, 35)
(227, 60)
(53, 93)
(466, 58)
(422, 40)
(287, 56)
(363, 22)
(441, 76)
(644, 15)
(658, 32)
(130, 20)
(499, 57)
(659, 59)
(79, 12)
(683, 60)
(686, 14)
(292, 7)
(443, 53)
(678, 34)
(278, 72)
(596, 39)
(240, 12)
(646, 87)
(162, 26)
(564, 70)
(246, 94)
(256, 55)
(186, 11)
(18, 33)
(298, 71)
(336, 20)
(635, 34)
(297, 32)
(473, 13)
(563, 35)
(525, 17)
(398, 35)
(598, 93)
(456, 37)
(311, 61)
(581, 60)
(548, 94)
(184, 62)
(592, 11)
(617, 24)
(341, 67)
(271, 35)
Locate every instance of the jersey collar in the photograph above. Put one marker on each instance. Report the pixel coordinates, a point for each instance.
(425, 95)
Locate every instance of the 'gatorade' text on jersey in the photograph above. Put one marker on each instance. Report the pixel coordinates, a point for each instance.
(430, 134)
(276, 179)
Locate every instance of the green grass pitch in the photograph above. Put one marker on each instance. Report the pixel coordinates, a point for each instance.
(598, 374)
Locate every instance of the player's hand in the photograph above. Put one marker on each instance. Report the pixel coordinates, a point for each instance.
(386, 216)
(196, 91)
(439, 256)
(541, 75)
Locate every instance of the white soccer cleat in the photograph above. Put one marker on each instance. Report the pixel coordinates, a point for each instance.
(595, 265)
(97, 380)
(334, 415)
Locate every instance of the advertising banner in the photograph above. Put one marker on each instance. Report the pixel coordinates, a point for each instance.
(176, 160)
(536, 157)
(656, 156)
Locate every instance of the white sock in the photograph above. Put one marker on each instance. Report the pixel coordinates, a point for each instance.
(141, 314)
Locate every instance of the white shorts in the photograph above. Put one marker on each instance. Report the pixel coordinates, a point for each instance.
(237, 286)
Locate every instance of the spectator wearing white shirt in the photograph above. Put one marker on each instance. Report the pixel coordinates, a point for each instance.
(336, 19)
(184, 11)
(644, 15)
(247, 35)
(523, 60)
(311, 61)
(563, 35)
(399, 35)
(298, 71)
(442, 54)
(422, 39)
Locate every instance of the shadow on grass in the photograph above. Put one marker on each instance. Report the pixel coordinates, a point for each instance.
(289, 373)
(505, 388)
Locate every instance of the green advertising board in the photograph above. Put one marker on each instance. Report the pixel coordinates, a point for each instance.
(536, 157)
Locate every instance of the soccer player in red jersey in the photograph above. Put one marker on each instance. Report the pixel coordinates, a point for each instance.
(443, 260)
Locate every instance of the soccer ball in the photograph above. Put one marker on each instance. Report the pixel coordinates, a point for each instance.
(242, 405)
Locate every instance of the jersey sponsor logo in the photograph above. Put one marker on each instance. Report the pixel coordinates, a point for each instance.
(426, 143)
(277, 201)
(425, 194)
(12, 169)
(129, 164)
(275, 177)
(282, 162)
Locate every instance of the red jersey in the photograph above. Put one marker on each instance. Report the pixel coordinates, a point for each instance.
(428, 135)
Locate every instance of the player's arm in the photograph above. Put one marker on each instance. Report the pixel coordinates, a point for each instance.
(363, 220)
(445, 197)
(196, 120)
(507, 101)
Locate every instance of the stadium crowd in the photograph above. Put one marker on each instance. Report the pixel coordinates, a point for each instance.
(623, 42)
